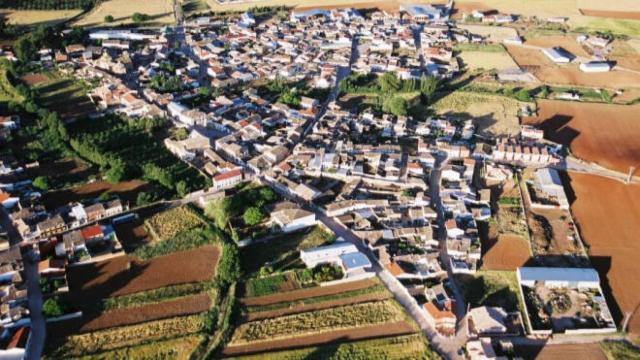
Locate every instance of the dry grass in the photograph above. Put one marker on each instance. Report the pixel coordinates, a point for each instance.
(491, 113)
(493, 33)
(392, 5)
(160, 11)
(487, 60)
(33, 17)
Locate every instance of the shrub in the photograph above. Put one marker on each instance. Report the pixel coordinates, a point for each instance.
(108, 19)
(327, 272)
(252, 216)
(53, 307)
(138, 17)
(41, 183)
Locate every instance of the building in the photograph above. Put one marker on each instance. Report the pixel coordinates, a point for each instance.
(227, 179)
(549, 182)
(558, 55)
(595, 67)
(290, 217)
(487, 321)
(326, 254)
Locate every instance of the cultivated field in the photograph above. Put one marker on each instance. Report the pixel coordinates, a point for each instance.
(160, 12)
(626, 54)
(506, 252)
(605, 134)
(125, 190)
(630, 15)
(65, 95)
(167, 224)
(491, 113)
(487, 60)
(37, 17)
(561, 352)
(177, 349)
(126, 275)
(392, 5)
(607, 213)
(392, 348)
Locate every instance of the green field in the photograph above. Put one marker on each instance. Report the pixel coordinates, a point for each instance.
(65, 95)
(7, 91)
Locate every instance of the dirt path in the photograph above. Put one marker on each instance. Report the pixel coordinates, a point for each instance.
(368, 332)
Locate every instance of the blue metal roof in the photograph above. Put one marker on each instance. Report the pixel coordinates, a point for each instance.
(355, 260)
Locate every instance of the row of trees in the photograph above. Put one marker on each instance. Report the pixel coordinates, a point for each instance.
(47, 4)
(26, 46)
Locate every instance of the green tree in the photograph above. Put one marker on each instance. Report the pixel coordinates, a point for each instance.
(144, 198)
(428, 85)
(218, 211)
(606, 97)
(229, 269)
(181, 188)
(267, 195)
(523, 95)
(25, 49)
(389, 82)
(396, 105)
(181, 134)
(108, 19)
(52, 307)
(138, 17)
(544, 91)
(252, 216)
(117, 171)
(41, 183)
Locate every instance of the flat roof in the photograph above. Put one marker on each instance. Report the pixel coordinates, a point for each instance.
(558, 274)
(355, 260)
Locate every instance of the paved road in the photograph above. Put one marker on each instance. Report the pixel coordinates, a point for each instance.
(35, 344)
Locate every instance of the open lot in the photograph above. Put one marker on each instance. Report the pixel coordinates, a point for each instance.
(487, 60)
(159, 11)
(126, 275)
(492, 114)
(607, 213)
(38, 17)
(506, 252)
(602, 133)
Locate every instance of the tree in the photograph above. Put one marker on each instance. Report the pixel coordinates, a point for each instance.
(389, 83)
(544, 92)
(428, 85)
(145, 198)
(229, 266)
(523, 95)
(25, 49)
(41, 183)
(181, 188)
(181, 134)
(117, 171)
(52, 307)
(138, 17)
(267, 195)
(605, 95)
(252, 216)
(326, 272)
(396, 105)
(218, 211)
(108, 19)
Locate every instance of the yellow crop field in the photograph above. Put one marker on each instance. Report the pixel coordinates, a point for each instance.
(487, 60)
(159, 11)
(34, 17)
(391, 5)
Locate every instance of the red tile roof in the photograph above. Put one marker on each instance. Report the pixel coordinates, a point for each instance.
(91, 231)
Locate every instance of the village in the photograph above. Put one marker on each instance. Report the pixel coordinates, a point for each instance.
(309, 150)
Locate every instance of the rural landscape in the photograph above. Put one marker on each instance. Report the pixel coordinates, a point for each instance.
(268, 179)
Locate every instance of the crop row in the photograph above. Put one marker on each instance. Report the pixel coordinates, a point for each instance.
(167, 224)
(100, 341)
(177, 349)
(319, 321)
(153, 296)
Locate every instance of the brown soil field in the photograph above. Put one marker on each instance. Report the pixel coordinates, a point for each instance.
(306, 293)
(547, 72)
(602, 133)
(607, 212)
(34, 79)
(561, 352)
(506, 252)
(126, 190)
(388, 6)
(368, 332)
(626, 54)
(631, 15)
(121, 317)
(126, 275)
(315, 306)
(557, 221)
(568, 43)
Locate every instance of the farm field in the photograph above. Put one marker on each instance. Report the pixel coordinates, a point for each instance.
(568, 43)
(487, 60)
(126, 190)
(626, 54)
(492, 114)
(126, 275)
(160, 12)
(589, 128)
(392, 5)
(505, 252)
(561, 352)
(167, 224)
(545, 70)
(398, 347)
(606, 212)
(177, 348)
(631, 15)
(493, 33)
(67, 96)
(37, 17)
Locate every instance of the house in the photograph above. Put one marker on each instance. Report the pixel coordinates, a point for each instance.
(306, 192)
(487, 321)
(290, 217)
(92, 233)
(326, 254)
(595, 67)
(71, 241)
(227, 179)
(453, 231)
(548, 181)
(51, 226)
(442, 317)
(558, 55)
(94, 212)
(481, 349)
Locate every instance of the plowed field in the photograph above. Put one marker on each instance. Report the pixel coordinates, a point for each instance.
(507, 252)
(605, 134)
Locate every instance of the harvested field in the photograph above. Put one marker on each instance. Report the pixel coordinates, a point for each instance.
(561, 352)
(306, 293)
(367, 332)
(607, 213)
(126, 275)
(159, 11)
(175, 349)
(38, 17)
(506, 252)
(92, 322)
(316, 306)
(487, 60)
(568, 43)
(126, 190)
(492, 114)
(547, 72)
(631, 15)
(602, 133)
(492, 33)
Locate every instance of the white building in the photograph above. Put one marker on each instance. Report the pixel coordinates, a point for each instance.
(557, 55)
(290, 217)
(595, 67)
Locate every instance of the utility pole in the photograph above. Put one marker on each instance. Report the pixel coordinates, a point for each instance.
(632, 169)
